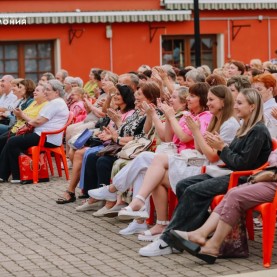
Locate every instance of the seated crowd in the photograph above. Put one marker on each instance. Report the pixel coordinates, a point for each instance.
(192, 116)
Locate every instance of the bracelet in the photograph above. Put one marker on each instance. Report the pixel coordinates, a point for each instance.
(219, 151)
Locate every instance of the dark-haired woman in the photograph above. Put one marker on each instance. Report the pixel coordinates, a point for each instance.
(125, 111)
(134, 127)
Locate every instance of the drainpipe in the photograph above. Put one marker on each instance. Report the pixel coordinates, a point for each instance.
(109, 35)
(269, 38)
(229, 40)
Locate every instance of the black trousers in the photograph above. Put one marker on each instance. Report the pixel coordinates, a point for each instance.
(11, 151)
(97, 171)
(195, 195)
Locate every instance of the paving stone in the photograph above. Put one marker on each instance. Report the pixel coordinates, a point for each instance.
(40, 238)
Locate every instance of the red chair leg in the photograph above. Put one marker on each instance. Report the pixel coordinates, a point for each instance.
(58, 164)
(150, 220)
(269, 220)
(49, 160)
(35, 161)
(250, 224)
(65, 166)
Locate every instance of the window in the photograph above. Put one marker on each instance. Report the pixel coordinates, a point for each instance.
(27, 60)
(179, 51)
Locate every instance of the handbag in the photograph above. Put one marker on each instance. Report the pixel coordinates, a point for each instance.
(134, 147)
(26, 168)
(169, 148)
(216, 171)
(5, 120)
(82, 139)
(269, 174)
(193, 157)
(92, 142)
(110, 150)
(102, 122)
(25, 129)
(235, 245)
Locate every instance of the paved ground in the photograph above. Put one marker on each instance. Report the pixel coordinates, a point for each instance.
(40, 238)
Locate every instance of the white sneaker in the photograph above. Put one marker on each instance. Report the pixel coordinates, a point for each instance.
(127, 213)
(101, 212)
(156, 248)
(15, 181)
(103, 193)
(90, 207)
(133, 228)
(113, 212)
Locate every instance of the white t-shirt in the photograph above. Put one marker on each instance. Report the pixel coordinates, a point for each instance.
(270, 121)
(56, 111)
(8, 101)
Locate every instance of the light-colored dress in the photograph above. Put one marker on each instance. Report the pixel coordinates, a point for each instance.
(177, 165)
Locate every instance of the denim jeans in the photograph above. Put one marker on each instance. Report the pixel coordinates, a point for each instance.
(97, 171)
(195, 195)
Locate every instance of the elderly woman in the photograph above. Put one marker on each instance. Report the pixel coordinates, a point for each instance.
(53, 116)
(23, 89)
(23, 116)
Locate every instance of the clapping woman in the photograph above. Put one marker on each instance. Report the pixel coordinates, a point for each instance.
(249, 150)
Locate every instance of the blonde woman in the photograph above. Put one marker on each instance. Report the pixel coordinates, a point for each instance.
(249, 150)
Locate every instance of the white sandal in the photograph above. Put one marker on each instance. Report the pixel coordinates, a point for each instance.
(128, 213)
(148, 236)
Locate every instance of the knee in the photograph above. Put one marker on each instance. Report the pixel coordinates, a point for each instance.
(78, 155)
(12, 142)
(233, 195)
(161, 160)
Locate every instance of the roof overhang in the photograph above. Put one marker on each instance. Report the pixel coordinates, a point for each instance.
(221, 4)
(98, 17)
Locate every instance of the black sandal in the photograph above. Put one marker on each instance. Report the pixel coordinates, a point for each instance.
(65, 201)
(83, 196)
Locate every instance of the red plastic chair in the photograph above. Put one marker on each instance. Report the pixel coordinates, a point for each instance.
(58, 151)
(268, 213)
(234, 178)
(172, 203)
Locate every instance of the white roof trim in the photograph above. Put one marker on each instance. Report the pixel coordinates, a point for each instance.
(221, 4)
(99, 17)
(220, 1)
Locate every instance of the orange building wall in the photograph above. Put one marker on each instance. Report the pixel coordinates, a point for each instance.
(131, 46)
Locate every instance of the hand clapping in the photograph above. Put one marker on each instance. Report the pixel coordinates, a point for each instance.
(214, 141)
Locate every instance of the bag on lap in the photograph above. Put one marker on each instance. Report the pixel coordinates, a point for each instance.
(25, 129)
(78, 141)
(134, 147)
(269, 174)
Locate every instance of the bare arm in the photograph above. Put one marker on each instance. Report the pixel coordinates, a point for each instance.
(38, 121)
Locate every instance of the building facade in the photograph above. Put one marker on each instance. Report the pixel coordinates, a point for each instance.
(120, 35)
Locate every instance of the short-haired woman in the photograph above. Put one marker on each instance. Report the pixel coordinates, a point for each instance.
(52, 116)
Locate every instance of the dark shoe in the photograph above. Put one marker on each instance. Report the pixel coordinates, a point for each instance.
(65, 201)
(209, 259)
(181, 244)
(193, 248)
(83, 196)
